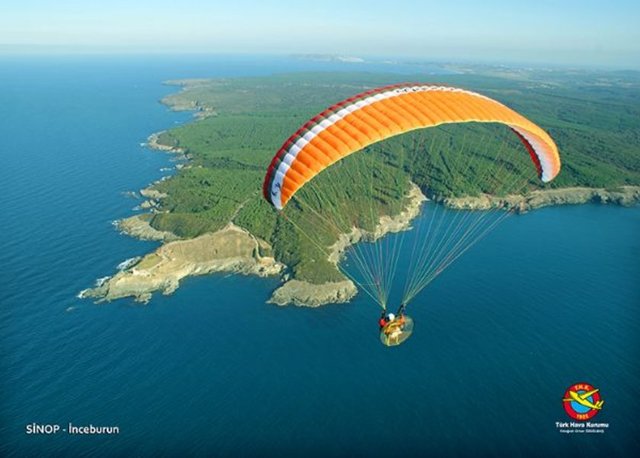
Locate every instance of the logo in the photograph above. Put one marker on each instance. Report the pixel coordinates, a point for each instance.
(582, 401)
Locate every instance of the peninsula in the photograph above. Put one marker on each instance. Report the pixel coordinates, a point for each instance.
(210, 216)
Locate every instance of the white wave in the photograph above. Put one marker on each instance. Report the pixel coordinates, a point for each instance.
(101, 281)
(124, 265)
(131, 194)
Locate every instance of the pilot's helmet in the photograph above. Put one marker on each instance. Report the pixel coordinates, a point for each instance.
(391, 317)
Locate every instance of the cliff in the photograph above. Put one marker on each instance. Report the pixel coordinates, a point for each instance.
(624, 195)
(231, 249)
(310, 294)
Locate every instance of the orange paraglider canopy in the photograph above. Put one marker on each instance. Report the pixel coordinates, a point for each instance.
(375, 115)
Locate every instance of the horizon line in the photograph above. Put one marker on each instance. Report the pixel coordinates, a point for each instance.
(346, 58)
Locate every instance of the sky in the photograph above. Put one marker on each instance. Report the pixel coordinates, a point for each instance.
(597, 33)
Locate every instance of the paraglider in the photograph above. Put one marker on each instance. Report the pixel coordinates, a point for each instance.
(375, 115)
(378, 114)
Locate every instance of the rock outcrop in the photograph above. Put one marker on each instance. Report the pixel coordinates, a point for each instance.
(138, 226)
(625, 195)
(304, 293)
(307, 294)
(231, 249)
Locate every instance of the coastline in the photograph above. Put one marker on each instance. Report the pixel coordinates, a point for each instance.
(137, 226)
(237, 250)
(163, 269)
(153, 142)
(234, 249)
(231, 249)
(303, 293)
(176, 103)
(387, 224)
(625, 196)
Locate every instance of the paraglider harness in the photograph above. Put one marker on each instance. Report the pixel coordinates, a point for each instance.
(383, 321)
(390, 325)
(395, 331)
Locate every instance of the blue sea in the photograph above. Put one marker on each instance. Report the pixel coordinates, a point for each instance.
(548, 299)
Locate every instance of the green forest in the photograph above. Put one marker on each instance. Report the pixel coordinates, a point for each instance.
(243, 121)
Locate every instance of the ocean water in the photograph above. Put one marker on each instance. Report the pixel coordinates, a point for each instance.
(548, 299)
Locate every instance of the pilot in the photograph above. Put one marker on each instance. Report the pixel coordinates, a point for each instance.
(388, 323)
(393, 329)
(382, 322)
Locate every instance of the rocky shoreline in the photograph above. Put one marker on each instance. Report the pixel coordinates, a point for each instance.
(308, 294)
(231, 249)
(163, 269)
(386, 225)
(625, 195)
(138, 226)
(305, 294)
(235, 250)
(177, 103)
(153, 142)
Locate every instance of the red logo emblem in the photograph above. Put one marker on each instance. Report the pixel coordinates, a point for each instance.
(582, 401)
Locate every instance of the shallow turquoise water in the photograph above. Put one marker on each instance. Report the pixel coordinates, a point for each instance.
(548, 299)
